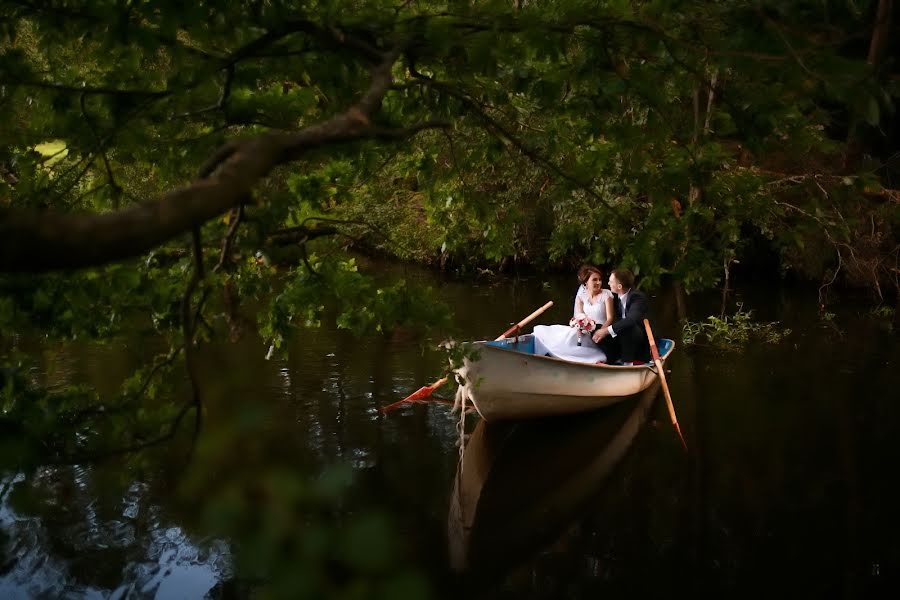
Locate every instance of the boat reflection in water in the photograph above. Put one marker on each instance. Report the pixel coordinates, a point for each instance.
(519, 484)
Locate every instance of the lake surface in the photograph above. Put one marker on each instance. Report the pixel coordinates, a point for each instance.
(790, 485)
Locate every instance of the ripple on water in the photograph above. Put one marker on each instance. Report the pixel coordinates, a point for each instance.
(362, 458)
(182, 569)
(170, 566)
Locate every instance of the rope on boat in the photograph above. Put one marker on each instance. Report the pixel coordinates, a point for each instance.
(463, 395)
(463, 392)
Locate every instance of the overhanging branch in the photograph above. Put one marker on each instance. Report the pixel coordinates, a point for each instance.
(42, 241)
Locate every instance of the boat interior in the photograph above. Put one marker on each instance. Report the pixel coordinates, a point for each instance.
(525, 345)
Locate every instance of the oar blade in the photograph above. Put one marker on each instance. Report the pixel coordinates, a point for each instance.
(422, 392)
(419, 394)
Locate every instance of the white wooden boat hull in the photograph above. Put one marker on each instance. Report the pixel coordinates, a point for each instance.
(508, 382)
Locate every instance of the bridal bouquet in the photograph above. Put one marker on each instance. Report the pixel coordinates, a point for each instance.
(582, 324)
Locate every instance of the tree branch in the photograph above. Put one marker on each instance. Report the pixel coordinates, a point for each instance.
(116, 188)
(530, 153)
(90, 91)
(299, 235)
(189, 326)
(223, 96)
(237, 215)
(42, 241)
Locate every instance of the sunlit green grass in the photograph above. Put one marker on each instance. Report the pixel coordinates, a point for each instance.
(56, 149)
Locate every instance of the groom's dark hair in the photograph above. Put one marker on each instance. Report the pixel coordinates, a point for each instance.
(625, 277)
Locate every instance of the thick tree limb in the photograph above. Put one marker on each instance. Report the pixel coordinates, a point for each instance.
(42, 241)
(299, 235)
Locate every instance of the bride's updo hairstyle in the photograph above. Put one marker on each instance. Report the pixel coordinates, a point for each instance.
(584, 273)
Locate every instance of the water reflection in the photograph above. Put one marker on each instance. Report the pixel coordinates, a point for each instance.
(792, 447)
(519, 484)
(66, 539)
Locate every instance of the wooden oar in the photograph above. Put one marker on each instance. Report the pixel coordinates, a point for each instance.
(523, 322)
(427, 390)
(665, 385)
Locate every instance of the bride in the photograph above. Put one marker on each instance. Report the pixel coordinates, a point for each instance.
(561, 341)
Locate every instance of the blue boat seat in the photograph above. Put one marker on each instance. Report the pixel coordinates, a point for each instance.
(525, 345)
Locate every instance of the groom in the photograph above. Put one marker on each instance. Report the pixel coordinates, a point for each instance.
(628, 329)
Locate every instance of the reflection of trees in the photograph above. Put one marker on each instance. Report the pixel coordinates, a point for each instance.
(71, 535)
(259, 415)
(778, 485)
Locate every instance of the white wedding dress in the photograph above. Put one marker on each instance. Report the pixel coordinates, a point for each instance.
(561, 341)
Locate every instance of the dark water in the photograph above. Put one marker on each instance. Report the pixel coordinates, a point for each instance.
(790, 485)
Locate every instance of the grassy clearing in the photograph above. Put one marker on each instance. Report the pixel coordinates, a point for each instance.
(56, 149)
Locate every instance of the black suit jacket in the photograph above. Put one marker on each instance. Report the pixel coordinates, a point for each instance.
(636, 309)
(630, 332)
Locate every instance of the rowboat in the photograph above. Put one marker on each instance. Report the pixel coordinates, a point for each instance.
(508, 380)
(520, 484)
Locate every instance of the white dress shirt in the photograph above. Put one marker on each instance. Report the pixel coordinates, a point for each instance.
(622, 298)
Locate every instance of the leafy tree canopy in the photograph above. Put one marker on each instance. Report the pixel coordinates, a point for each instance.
(674, 137)
(163, 164)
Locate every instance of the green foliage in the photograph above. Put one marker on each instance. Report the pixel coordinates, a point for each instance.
(733, 332)
(883, 312)
(654, 134)
(573, 136)
(91, 304)
(293, 534)
(290, 540)
(355, 302)
(72, 422)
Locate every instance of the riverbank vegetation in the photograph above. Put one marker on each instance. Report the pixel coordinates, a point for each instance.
(731, 332)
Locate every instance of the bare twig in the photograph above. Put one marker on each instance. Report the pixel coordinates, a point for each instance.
(306, 262)
(824, 286)
(128, 402)
(223, 95)
(116, 188)
(128, 449)
(88, 192)
(50, 157)
(188, 326)
(797, 58)
(300, 234)
(237, 215)
(88, 164)
(459, 172)
(90, 91)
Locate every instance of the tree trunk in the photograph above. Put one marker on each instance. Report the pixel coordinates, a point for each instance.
(882, 28)
(877, 46)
